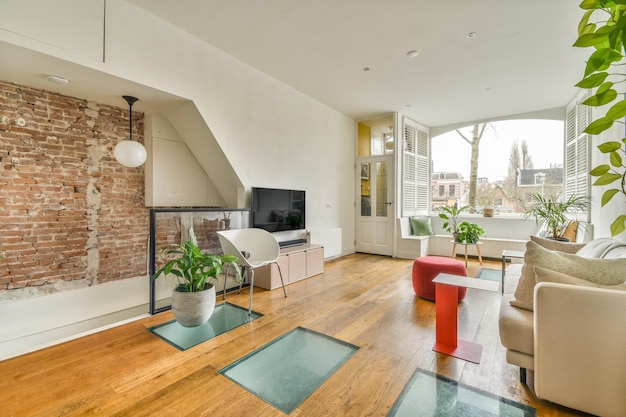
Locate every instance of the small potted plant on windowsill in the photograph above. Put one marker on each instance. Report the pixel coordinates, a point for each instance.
(451, 216)
(193, 299)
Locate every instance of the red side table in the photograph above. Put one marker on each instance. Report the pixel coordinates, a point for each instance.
(446, 311)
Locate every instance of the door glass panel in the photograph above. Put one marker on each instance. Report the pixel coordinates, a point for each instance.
(366, 192)
(381, 189)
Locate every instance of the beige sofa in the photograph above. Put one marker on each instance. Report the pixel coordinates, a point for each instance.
(563, 316)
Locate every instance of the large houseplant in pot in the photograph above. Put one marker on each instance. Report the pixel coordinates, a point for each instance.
(193, 298)
(556, 214)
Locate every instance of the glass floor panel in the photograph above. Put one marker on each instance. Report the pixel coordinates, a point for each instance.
(431, 395)
(225, 317)
(287, 370)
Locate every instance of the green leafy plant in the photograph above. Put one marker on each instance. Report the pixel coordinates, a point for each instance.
(556, 214)
(469, 232)
(607, 36)
(451, 217)
(195, 270)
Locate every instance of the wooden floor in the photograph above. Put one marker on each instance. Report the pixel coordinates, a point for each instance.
(363, 299)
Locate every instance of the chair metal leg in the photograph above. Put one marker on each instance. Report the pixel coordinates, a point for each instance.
(243, 273)
(251, 290)
(280, 273)
(225, 279)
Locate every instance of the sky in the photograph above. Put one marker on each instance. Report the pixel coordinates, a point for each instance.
(450, 153)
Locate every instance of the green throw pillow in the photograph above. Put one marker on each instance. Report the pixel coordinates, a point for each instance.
(420, 226)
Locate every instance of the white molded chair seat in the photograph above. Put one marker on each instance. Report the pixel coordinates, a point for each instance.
(254, 248)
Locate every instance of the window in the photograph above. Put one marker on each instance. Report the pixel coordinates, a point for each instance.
(442, 190)
(516, 159)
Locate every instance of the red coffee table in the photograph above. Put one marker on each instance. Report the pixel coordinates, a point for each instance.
(446, 310)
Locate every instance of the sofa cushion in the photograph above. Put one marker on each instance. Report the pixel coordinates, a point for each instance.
(570, 231)
(516, 327)
(421, 226)
(552, 244)
(615, 252)
(598, 247)
(547, 275)
(599, 271)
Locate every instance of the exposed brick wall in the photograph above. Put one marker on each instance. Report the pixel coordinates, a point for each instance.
(68, 210)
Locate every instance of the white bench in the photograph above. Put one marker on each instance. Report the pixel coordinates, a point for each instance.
(411, 247)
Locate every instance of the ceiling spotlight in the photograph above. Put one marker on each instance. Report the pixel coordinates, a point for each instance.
(366, 68)
(58, 80)
(412, 54)
(128, 152)
(472, 35)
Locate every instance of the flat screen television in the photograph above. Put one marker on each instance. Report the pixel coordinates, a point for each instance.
(277, 210)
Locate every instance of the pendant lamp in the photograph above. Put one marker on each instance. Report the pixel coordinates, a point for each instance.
(128, 152)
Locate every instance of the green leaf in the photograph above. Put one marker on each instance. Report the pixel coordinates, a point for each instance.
(617, 226)
(599, 126)
(589, 4)
(591, 39)
(594, 80)
(602, 97)
(608, 147)
(599, 170)
(607, 178)
(617, 111)
(583, 25)
(604, 88)
(616, 159)
(608, 195)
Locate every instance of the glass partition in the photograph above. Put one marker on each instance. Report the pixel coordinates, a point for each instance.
(171, 226)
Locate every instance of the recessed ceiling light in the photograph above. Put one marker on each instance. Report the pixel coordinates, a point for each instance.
(366, 68)
(472, 35)
(412, 54)
(58, 80)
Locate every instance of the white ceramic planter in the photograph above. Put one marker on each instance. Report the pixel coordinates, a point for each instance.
(192, 309)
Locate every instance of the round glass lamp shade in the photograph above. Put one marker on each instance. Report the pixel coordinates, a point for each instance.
(130, 153)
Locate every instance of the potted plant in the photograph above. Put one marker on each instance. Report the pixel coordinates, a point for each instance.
(451, 216)
(193, 299)
(469, 232)
(556, 214)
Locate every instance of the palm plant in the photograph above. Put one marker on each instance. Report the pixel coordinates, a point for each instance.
(556, 214)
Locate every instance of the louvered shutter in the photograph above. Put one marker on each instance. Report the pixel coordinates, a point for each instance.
(415, 169)
(577, 152)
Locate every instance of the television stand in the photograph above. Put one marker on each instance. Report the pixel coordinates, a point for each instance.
(296, 263)
(290, 243)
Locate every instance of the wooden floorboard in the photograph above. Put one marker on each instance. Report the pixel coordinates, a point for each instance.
(365, 300)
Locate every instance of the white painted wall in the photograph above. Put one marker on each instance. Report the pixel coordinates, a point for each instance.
(271, 135)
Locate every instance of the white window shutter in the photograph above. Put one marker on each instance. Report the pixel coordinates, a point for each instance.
(415, 168)
(577, 148)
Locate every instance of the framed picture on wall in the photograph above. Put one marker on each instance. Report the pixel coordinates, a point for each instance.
(365, 171)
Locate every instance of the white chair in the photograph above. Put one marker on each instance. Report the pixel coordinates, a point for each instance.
(254, 248)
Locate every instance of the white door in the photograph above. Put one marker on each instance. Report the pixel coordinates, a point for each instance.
(374, 229)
